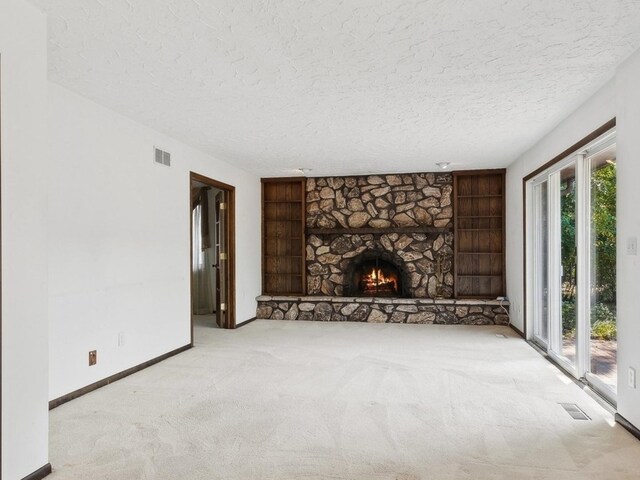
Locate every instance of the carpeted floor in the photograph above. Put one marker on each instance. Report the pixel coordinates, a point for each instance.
(305, 400)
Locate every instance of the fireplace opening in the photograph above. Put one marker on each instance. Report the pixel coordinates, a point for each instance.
(377, 278)
(375, 274)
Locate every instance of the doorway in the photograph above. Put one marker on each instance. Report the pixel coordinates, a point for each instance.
(571, 244)
(212, 229)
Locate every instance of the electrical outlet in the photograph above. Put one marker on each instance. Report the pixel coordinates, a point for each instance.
(121, 339)
(632, 246)
(93, 357)
(632, 377)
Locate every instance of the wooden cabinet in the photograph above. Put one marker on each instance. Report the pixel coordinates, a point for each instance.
(283, 239)
(479, 243)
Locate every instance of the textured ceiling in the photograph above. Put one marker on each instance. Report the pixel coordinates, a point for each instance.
(353, 86)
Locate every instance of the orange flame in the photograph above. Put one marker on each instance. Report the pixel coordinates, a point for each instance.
(377, 280)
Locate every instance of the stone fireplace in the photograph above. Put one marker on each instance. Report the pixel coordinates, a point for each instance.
(403, 221)
(379, 248)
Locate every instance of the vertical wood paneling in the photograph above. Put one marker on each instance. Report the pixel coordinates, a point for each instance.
(283, 252)
(479, 233)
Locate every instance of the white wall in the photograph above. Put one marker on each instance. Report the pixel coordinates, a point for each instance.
(628, 267)
(619, 98)
(23, 53)
(119, 241)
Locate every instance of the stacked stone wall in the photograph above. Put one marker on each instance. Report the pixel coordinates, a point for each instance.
(384, 310)
(381, 202)
(328, 257)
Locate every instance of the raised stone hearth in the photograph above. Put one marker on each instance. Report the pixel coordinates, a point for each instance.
(383, 310)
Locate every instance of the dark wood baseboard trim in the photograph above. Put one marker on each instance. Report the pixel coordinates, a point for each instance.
(630, 427)
(517, 331)
(246, 322)
(40, 473)
(114, 378)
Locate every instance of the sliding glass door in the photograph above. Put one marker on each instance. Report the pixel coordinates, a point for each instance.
(572, 250)
(541, 261)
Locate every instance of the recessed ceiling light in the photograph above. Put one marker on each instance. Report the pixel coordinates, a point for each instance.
(303, 170)
(443, 165)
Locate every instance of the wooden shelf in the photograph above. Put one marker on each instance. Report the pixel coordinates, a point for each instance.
(481, 196)
(480, 253)
(291, 274)
(477, 297)
(481, 275)
(376, 231)
(281, 237)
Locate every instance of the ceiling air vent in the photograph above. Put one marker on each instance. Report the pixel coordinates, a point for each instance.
(162, 157)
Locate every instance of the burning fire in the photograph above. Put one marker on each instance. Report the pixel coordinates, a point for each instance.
(377, 281)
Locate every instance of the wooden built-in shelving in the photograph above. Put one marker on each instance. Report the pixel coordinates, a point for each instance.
(478, 198)
(283, 236)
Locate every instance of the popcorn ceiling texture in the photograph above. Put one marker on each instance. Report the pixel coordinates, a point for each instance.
(343, 87)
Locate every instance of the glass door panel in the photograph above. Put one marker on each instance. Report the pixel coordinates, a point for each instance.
(541, 262)
(602, 288)
(568, 264)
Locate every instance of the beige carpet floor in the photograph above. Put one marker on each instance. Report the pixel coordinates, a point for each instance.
(305, 400)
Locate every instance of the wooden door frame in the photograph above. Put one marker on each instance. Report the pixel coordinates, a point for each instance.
(231, 245)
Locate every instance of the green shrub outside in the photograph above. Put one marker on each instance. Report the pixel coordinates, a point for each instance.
(604, 330)
(568, 317)
(603, 321)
